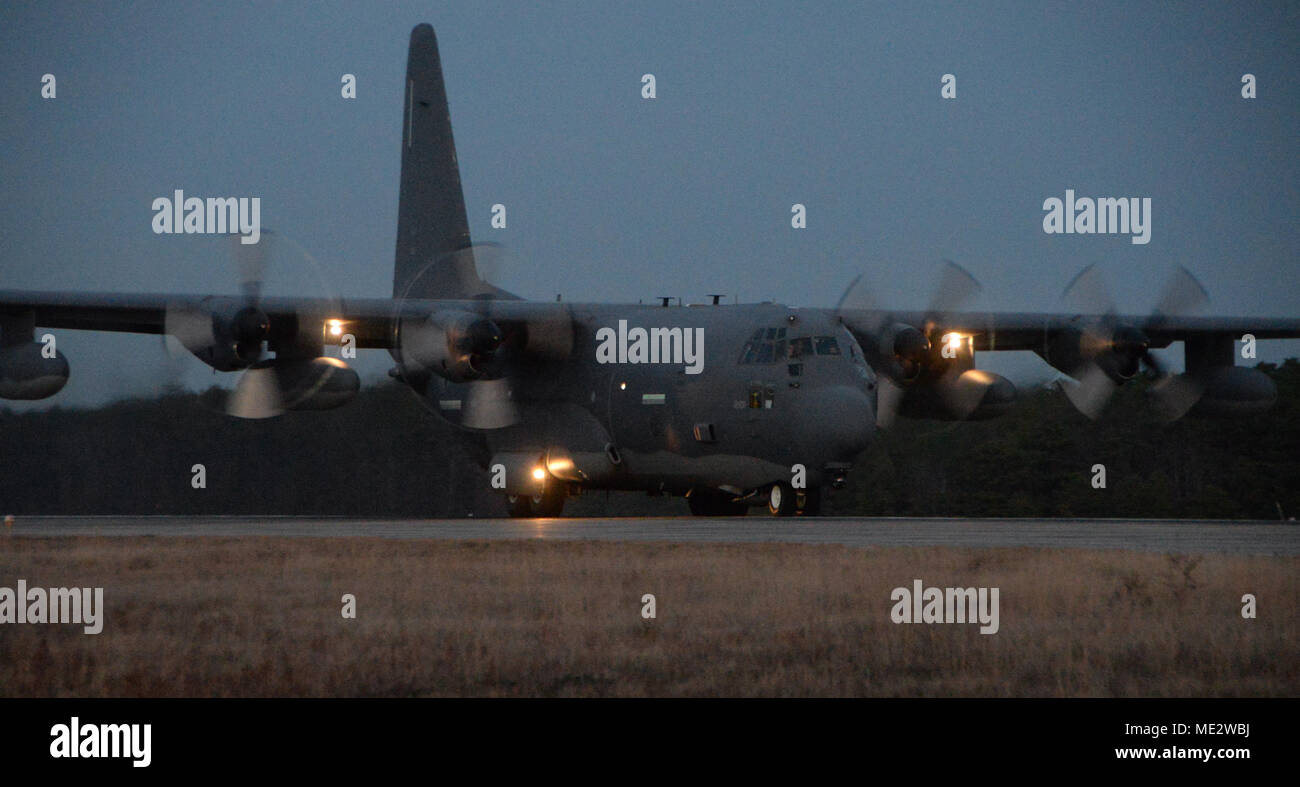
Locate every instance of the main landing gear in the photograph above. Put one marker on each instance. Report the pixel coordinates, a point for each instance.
(784, 500)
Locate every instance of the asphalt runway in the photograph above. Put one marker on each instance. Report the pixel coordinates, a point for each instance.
(1186, 536)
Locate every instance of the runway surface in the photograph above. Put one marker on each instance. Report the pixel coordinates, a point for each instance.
(1260, 538)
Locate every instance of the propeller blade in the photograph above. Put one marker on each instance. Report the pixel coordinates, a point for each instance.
(889, 396)
(1091, 388)
(858, 309)
(956, 286)
(488, 405)
(251, 264)
(1174, 395)
(189, 326)
(1091, 391)
(420, 342)
(169, 375)
(1182, 295)
(1087, 293)
(257, 395)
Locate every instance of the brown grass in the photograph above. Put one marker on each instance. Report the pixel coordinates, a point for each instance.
(261, 617)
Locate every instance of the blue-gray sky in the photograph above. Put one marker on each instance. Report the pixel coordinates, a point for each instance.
(614, 198)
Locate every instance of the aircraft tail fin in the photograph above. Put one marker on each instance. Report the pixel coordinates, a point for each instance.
(431, 220)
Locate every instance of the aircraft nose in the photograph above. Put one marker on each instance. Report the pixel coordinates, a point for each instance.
(843, 419)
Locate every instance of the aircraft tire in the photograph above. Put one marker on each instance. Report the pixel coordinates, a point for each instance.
(550, 503)
(520, 506)
(780, 499)
(808, 502)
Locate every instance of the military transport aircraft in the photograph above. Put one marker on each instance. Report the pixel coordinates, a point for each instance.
(731, 406)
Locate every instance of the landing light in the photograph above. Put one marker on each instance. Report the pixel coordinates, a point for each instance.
(953, 341)
(539, 473)
(335, 327)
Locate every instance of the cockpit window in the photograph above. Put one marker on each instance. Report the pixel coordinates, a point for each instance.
(826, 345)
(768, 345)
(765, 345)
(801, 346)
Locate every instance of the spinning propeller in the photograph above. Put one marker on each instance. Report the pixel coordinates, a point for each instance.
(1103, 352)
(237, 336)
(904, 355)
(473, 358)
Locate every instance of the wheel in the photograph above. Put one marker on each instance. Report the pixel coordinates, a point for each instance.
(808, 502)
(520, 507)
(780, 499)
(550, 502)
(710, 502)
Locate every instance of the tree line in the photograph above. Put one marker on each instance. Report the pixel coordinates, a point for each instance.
(384, 454)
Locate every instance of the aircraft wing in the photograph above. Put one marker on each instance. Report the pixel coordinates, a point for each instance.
(371, 320)
(924, 355)
(1035, 330)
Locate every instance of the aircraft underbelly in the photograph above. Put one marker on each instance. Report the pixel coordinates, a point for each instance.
(678, 429)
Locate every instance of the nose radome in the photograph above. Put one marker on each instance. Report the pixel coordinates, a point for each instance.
(844, 419)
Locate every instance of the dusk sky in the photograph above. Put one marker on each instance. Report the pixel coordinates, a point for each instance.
(613, 198)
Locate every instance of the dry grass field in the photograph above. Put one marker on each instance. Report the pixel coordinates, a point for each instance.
(261, 617)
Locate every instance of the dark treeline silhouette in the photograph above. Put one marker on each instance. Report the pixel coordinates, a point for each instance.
(384, 454)
(1038, 461)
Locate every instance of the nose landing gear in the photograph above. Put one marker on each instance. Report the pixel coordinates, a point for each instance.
(549, 503)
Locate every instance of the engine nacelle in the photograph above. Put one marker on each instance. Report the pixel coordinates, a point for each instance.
(1233, 391)
(455, 345)
(318, 384)
(1119, 355)
(26, 374)
(226, 336)
(905, 350)
(582, 466)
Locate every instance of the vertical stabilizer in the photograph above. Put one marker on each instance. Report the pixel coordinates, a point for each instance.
(431, 220)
